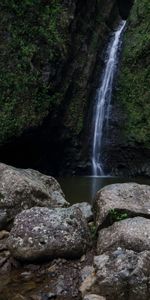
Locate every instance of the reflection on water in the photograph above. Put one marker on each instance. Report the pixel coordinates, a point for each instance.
(79, 189)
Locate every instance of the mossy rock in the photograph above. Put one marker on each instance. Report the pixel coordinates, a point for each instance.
(134, 91)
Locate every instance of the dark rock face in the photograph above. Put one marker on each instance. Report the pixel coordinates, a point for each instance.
(3, 218)
(125, 7)
(125, 160)
(21, 189)
(121, 275)
(70, 78)
(121, 157)
(132, 234)
(42, 233)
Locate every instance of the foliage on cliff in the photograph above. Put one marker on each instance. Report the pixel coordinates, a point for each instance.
(32, 40)
(134, 82)
(48, 56)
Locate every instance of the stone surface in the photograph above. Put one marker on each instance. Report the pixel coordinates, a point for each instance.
(132, 234)
(93, 297)
(3, 218)
(42, 233)
(132, 198)
(4, 253)
(86, 209)
(3, 234)
(59, 277)
(22, 189)
(121, 275)
(86, 272)
(85, 287)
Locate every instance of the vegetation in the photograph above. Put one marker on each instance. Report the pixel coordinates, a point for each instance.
(32, 40)
(93, 230)
(116, 215)
(134, 82)
(46, 44)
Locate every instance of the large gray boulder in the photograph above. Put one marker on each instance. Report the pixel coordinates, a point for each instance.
(22, 189)
(121, 275)
(86, 209)
(132, 234)
(132, 198)
(42, 233)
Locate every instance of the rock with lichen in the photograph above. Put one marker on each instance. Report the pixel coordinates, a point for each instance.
(131, 234)
(42, 233)
(131, 199)
(22, 189)
(120, 275)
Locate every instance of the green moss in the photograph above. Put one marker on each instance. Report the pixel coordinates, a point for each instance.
(31, 39)
(1, 196)
(134, 82)
(93, 230)
(75, 115)
(116, 215)
(59, 37)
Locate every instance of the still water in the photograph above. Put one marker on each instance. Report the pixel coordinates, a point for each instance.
(80, 189)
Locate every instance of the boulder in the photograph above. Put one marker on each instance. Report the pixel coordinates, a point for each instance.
(93, 297)
(43, 233)
(121, 275)
(86, 209)
(86, 272)
(132, 234)
(130, 198)
(22, 189)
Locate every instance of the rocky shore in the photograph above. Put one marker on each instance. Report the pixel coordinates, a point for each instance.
(52, 250)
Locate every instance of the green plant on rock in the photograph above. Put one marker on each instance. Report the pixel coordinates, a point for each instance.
(116, 215)
(93, 230)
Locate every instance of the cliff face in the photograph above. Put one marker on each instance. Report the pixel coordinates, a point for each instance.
(131, 149)
(49, 55)
(134, 88)
(34, 41)
(125, 8)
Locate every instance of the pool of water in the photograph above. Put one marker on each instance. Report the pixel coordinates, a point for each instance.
(80, 189)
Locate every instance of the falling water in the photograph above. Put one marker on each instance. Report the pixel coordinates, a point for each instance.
(103, 99)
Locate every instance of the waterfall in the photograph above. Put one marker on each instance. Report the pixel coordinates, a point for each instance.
(103, 98)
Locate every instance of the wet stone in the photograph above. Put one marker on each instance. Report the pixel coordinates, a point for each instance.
(131, 199)
(22, 189)
(131, 234)
(42, 233)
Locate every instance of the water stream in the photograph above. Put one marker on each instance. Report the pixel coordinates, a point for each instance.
(103, 98)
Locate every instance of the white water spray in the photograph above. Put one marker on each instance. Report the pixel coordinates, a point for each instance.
(103, 99)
